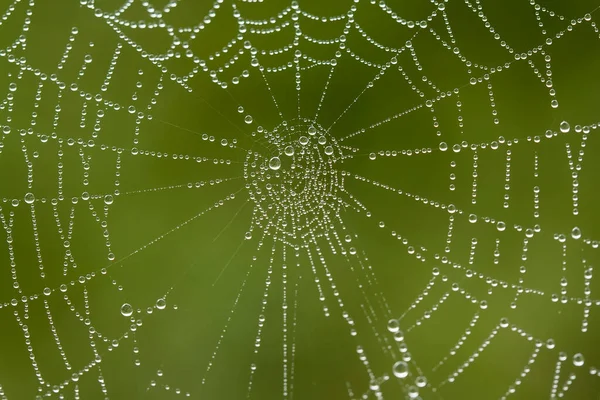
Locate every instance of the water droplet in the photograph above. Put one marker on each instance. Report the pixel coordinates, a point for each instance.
(500, 225)
(400, 369)
(248, 119)
(399, 336)
(529, 233)
(565, 127)
(472, 218)
(578, 360)
(303, 140)
(108, 199)
(29, 198)
(576, 233)
(161, 303)
(275, 163)
(312, 130)
(374, 385)
(328, 150)
(289, 151)
(443, 146)
(413, 392)
(126, 310)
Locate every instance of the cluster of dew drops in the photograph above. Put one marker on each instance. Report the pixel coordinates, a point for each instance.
(127, 310)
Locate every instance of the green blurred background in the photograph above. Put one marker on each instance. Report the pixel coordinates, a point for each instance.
(172, 240)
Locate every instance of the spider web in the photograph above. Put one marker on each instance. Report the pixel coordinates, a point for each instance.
(352, 199)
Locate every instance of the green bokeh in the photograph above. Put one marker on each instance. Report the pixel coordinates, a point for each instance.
(179, 243)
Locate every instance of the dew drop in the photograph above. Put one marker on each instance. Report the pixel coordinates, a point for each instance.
(501, 226)
(399, 336)
(413, 392)
(161, 303)
(29, 198)
(400, 369)
(576, 233)
(126, 310)
(421, 381)
(275, 163)
(248, 119)
(393, 325)
(565, 127)
(374, 385)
